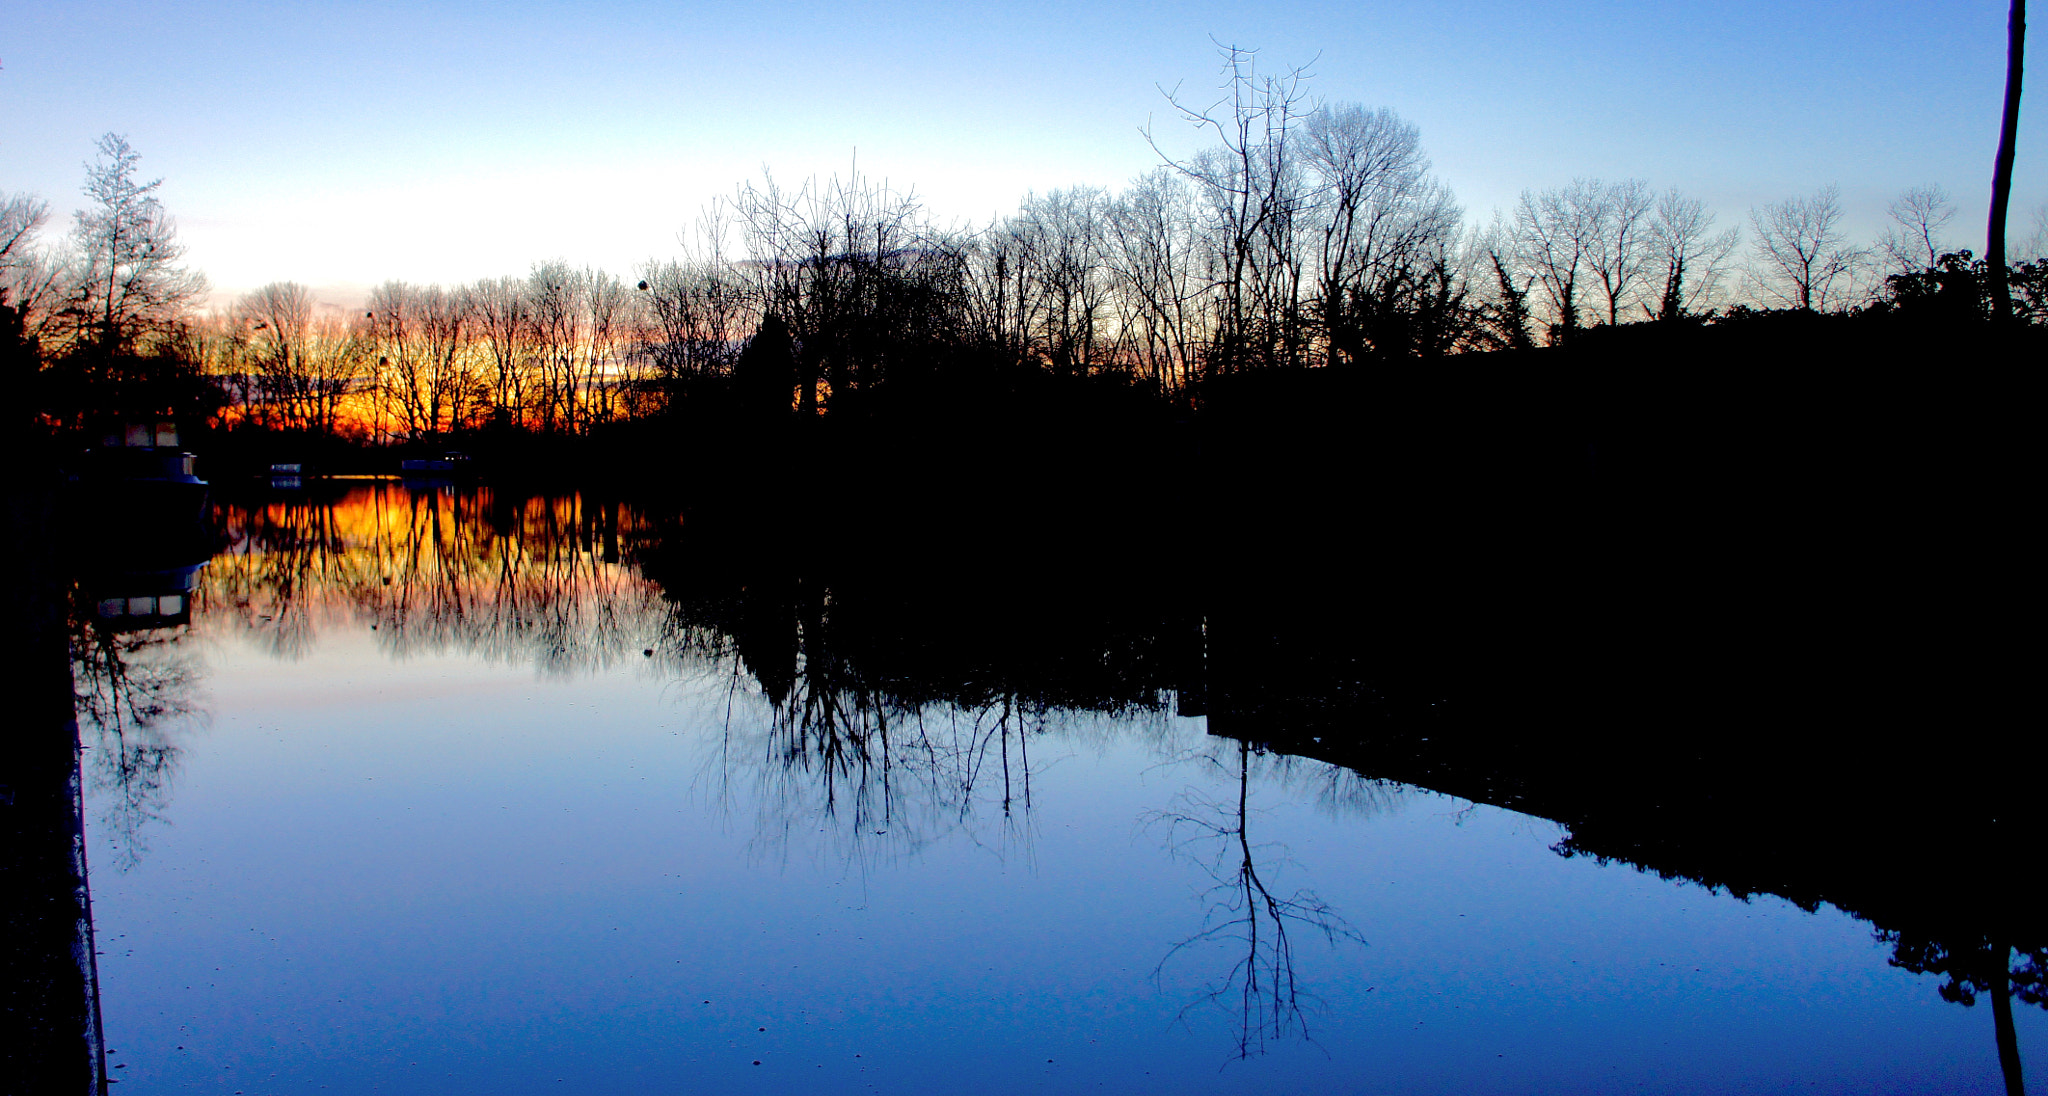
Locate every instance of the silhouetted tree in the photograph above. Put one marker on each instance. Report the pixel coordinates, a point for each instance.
(1059, 254)
(21, 217)
(20, 366)
(614, 344)
(1154, 255)
(1379, 222)
(29, 275)
(555, 295)
(765, 375)
(1957, 289)
(1252, 194)
(1510, 313)
(1555, 232)
(112, 315)
(126, 284)
(1618, 254)
(1913, 241)
(855, 272)
(303, 362)
(504, 325)
(699, 313)
(1687, 259)
(1804, 261)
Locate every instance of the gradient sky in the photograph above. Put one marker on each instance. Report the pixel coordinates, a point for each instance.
(342, 144)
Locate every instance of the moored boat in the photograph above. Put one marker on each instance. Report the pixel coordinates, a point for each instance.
(447, 464)
(140, 477)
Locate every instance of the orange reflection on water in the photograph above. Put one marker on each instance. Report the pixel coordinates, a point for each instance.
(433, 569)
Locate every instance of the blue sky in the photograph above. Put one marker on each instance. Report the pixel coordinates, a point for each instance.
(346, 143)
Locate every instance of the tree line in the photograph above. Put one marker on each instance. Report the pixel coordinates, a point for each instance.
(1306, 234)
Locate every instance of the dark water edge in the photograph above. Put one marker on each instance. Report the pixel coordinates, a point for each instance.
(50, 1039)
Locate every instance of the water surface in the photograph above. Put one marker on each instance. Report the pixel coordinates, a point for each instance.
(445, 791)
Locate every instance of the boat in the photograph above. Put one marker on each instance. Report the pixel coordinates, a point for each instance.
(140, 476)
(130, 600)
(433, 473)
(447, 464)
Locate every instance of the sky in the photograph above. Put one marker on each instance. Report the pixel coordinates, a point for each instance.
(343, 144)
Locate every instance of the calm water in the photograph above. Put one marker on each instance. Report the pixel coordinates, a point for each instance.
(429, 791)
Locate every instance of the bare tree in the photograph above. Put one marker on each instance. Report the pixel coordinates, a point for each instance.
(995, 295)
(300, 363)
(699, 310)
(1554, 232)
(28, 275)
(1151, 249)
(338, 359)
(790, 256)
(1251, 188)
(1379, 223)
(126, 283)
(1803, 259)
(1687, 258)
(403, 357)
(699, 314)
(838, 260)
(277, 324)
(1913, 241)
(219, 343)
(447, 378)
(2035, 246)
(1369, 163)
(1509, 311)
(560, 343)
(503, 324)
(612, 342)
(1060, 251)
(1617, 254)
(21, 217)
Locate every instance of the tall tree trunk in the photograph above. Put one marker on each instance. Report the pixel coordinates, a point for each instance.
(2001, 174)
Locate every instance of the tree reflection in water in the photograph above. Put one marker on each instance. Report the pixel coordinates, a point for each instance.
(887, 707)
(1976, 966)
(878, 779)
(436, 570)
(854, 741)
(136, 692)
(558, 583)
(1260, 987)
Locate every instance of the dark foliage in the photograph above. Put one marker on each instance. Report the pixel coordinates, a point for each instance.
(89, 386)
(1959, 290)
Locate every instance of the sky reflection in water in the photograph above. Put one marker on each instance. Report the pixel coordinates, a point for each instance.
(489, 845)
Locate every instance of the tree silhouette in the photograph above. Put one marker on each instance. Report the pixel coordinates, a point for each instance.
(1806, 262)
(1980, 966)
(128, 284)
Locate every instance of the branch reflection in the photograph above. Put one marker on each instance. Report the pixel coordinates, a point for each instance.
(1247, 921)
(435, 570)
(136, 689)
